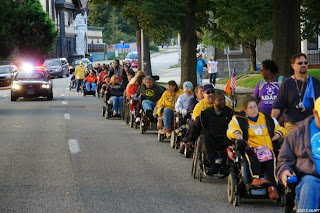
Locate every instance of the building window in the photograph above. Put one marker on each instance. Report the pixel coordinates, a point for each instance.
(233, 50)
(70, 18)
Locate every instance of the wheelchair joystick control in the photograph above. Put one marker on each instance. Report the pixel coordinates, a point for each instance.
(292, 180)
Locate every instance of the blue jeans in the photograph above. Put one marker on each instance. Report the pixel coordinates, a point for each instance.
(308, 193)
(167, 116)
(80, 82)
(91, 86)
(199, 78)
(148, 105)
(117, 103)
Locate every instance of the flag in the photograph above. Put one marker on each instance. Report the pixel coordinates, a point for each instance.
(227, 89)
(233, 79)
(309, 93)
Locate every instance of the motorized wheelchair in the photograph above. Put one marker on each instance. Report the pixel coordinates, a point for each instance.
(86, 91)
(239, 180)
(146, 123)
(200, 165)
(107, 108)
(179, 129)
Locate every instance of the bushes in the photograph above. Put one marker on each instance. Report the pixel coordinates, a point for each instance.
(154, 48)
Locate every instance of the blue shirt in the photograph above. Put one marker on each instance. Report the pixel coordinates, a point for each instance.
(315, 144)
(200, 65)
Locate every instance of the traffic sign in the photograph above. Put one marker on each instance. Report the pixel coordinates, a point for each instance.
(121, 46)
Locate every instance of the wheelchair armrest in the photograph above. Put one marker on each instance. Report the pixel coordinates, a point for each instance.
(277, 144)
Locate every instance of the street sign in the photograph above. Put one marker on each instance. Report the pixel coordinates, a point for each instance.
(122, 46)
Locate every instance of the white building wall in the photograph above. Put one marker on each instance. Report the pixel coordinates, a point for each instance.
(80, 28)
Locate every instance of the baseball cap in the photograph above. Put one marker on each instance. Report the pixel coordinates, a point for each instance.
(188, 85)
(317, 106)
(81, 62)
(207, 87)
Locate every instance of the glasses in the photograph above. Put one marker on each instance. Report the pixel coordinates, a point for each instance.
(209, 92)
(300, 63)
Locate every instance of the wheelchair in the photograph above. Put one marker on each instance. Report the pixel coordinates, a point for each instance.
(73, 83)
(86, 91)
(179, 130)
(239, 181)
(107, 111)
(200, 165)
(145, 123)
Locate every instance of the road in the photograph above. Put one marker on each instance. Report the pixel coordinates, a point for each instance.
(63, 156)
(164, 61)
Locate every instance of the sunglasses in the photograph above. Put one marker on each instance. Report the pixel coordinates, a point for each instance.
(300, 63)
(209, 92)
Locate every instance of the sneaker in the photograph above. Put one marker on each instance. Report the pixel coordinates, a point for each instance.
(168, 133)
(259, 182)
(273, 193)
(77, 93)
(114, 112)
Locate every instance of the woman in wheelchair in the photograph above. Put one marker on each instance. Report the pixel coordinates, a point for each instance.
(254, 132)
(115, 92)
(91, 82)
(165, 106)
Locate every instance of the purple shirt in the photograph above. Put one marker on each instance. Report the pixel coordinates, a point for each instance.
(267, 93)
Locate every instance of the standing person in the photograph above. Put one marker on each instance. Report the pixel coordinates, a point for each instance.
(116, 70)
(267, 89)
(300, 156)
(213, 68)
(125, 73)
(290, 99)
(200, 64)
(80, 72)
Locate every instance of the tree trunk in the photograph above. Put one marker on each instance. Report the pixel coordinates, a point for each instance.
(189, 42)
(253, 55)
(146, 56)
(286, 33)
(138, 38)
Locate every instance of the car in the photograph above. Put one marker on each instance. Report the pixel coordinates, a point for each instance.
(35, 82)
(133, 55)
(6, 74)
(76, 63)
(57, 67)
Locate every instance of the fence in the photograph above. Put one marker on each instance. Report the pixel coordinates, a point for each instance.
(314, 56)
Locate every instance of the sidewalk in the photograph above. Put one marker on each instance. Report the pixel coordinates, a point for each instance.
(175, 73)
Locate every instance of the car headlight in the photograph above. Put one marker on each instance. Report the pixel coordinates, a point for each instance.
(16, 86)
(45, 86)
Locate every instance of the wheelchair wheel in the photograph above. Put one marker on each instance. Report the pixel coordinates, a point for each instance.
(231, 186)
(103, 111)
(131, 118)
(141, 127)
(236, 200)
(195, 162)
(173, 139)
(282, 200)
(108, 115)
(160, 137)
(187, 151)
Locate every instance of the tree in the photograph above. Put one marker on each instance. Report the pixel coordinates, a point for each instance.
(240, 22)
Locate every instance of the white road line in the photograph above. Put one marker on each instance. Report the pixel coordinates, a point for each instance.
(62, 95)
(74, 146)
(5, 96)
(64, 102)
(67, 88)
(67, 116)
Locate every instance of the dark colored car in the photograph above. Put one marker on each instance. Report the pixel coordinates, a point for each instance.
(76, 63)
(57, 67)
(31, 83)
(6, 74)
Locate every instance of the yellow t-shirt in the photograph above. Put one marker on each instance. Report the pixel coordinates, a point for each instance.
(80, 72)
(258, 134)
(169, 99)
(202, 105)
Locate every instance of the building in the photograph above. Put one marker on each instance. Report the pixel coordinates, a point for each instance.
(96, 47)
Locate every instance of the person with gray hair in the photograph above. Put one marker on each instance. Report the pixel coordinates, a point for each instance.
(149, 93)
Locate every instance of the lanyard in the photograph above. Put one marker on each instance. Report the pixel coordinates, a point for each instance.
(301, 89)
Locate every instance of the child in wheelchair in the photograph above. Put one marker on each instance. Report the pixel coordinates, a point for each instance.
(254, 132)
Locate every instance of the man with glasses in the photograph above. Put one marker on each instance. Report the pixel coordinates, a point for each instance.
(296, 93)
(206, 102)
(212, 125)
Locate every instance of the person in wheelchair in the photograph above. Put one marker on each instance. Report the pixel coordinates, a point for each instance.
(115, 92)
(91, 82)
(149, 93)
(211, 125)
(300, 156)
(255, 133)
(105, 85)
(182, 103)
(166, 106)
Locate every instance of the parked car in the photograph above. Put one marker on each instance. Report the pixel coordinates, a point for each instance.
(6, 74)
(32, 83)
(57, 67)
(133, 55)
(76, 63)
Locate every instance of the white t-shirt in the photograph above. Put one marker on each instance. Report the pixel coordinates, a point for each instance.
(213, 68)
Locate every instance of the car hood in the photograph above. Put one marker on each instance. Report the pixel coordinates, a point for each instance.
(30, 81)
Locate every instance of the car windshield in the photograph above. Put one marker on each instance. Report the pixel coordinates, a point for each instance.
(31, 75)
(49, 63)
(5, 69)
(132, 56)
(76, 62)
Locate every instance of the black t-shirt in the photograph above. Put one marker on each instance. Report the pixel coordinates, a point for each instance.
(288, 99)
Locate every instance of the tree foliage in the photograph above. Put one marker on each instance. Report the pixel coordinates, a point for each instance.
(310, 19)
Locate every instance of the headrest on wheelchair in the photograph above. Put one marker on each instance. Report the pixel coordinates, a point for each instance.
(155, 77)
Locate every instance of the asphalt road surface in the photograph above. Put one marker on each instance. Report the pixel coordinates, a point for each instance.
(63, 156)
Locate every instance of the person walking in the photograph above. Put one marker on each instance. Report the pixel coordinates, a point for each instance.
(213, 68)
(80, 72)
(295, 93)
(200, 64)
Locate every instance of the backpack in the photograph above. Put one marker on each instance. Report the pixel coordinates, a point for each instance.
(275, 84)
